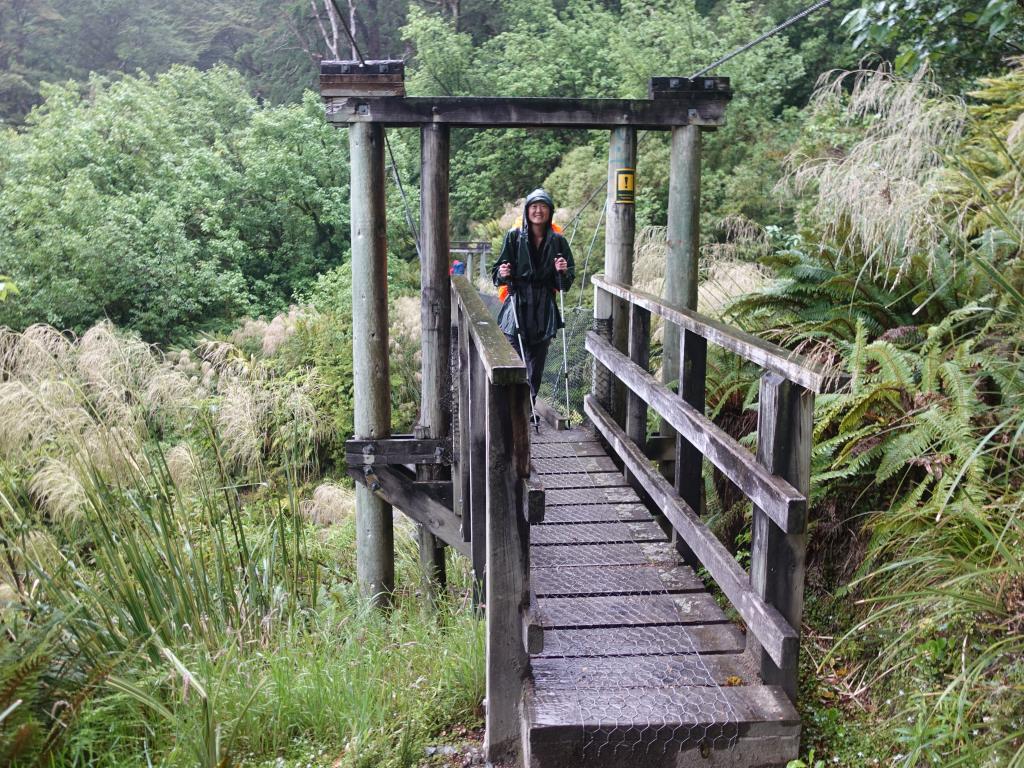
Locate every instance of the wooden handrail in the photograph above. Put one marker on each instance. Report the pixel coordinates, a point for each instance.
(777, 480)
(771, 357)
(777, 638)
(495, 500)
(783, 503)
(500, 361)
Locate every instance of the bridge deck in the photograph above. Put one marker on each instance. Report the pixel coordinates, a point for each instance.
(640, 667)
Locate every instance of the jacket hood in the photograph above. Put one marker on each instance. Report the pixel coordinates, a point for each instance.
(537, 196)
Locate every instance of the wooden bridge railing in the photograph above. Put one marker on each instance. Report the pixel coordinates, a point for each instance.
(497, 500)
(776, 480)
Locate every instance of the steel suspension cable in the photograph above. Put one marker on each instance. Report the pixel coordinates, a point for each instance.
(590, 251)
(413, 229)
(757, 41)
(348, 32)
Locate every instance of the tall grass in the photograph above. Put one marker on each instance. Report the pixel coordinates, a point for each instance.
(205, 612)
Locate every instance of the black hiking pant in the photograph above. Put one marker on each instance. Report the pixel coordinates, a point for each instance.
(534, 355)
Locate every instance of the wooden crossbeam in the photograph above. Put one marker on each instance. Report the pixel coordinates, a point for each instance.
(685, 87)
(469, 246)
(704, 109)
(398, 487)
(550, 415)
(358, 78)
(398, 449)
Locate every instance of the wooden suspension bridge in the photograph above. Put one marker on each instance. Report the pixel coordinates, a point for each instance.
(604, 645)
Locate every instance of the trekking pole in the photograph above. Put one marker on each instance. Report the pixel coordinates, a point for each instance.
(565, 347)
(522, 351)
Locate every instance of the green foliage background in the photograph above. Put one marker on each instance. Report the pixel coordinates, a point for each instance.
(164, 167)
(167, 204)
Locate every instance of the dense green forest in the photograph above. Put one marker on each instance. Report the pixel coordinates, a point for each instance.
(176, 541)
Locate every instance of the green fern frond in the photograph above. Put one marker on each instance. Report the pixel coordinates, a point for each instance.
(896, 367)
(930, 359)
(913, 443)
(857, 357)
(859, 463)
(958, 386)
(879, 399)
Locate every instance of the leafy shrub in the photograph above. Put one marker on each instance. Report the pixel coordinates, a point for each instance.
(167, 203)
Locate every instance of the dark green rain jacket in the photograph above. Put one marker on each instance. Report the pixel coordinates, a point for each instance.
(532, 284)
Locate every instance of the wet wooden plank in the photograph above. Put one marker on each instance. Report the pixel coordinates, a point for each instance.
(658, 552)
(575, 435)
(562, 450)
(632, 641)
(596, 533)
(662, 728)
(588, 554)
(624, 672)
(569, 478)
(629, 553)
(736, 747)
(581, 463)
(629, 610)
(594, 513)
(599, 580)
(602, 709)
(563, 496)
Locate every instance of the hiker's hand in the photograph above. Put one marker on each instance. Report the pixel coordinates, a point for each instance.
(504, 270)
(561, 264)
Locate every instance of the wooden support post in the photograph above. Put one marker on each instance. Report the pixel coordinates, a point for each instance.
(683, 235)
(460, 440)
(435, 323)
(375, 552)
(507, 563)
(683, 246)
(784, 433)
(601, 385)
(431, 548)
(470, 452)
(689, 462)
(620, 226)
(639, 345)
(639, 353)
(477, 439)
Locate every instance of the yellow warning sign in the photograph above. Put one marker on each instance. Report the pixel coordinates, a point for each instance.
(625, 186)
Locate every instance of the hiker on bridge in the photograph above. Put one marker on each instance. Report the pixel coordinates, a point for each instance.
(535, 262)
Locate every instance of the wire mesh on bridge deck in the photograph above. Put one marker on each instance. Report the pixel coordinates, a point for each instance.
(639, 684)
